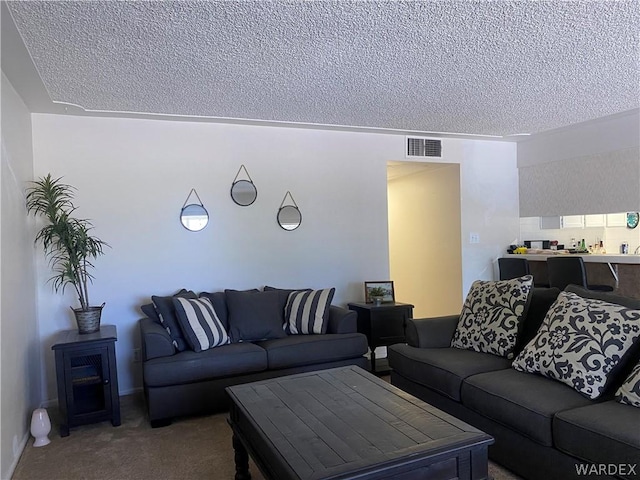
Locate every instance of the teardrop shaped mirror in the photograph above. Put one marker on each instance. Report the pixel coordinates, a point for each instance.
(194, 217)
(244, 192)
(289, 217)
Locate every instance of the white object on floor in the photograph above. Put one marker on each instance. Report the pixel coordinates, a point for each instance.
(40, 427)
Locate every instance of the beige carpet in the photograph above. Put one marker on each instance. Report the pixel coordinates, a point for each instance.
(190, 448)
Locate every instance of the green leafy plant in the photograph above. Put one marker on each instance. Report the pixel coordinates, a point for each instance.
(67, 241)
(376, 292)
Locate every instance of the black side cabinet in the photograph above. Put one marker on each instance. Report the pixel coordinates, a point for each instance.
(87, 377)
(382, 324)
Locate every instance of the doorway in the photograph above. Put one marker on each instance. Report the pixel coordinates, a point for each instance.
(425, 249)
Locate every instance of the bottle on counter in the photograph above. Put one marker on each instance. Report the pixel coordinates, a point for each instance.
(573, 242)
(583, 247)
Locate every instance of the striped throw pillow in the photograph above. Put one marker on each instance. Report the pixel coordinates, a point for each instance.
(200, 325)
(308, 311)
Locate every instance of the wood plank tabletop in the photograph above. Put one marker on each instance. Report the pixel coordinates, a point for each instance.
(321, 424)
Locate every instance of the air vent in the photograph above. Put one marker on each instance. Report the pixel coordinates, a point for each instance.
(423, 147)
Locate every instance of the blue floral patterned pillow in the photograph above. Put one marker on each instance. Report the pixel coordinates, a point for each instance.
(580, 342)
(629, 391)
(491, 316)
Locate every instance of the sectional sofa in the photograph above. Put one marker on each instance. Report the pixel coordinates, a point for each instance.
(543, 428)
(181, 377)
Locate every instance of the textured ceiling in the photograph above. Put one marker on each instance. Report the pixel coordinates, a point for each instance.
(493, 68)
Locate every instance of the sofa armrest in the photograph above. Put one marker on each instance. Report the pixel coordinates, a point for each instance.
(156, 341)
(434, 332)
(342, 320)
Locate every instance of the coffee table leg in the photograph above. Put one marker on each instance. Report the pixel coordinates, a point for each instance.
(242, 460)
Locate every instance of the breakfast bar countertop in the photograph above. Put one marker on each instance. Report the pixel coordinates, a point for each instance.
(588, 257)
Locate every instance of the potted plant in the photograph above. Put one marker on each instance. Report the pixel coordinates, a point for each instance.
(376, 294)
(68, 244)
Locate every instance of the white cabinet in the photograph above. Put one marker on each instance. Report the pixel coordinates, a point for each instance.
(616, 220)
(572, 221)
(594, 220)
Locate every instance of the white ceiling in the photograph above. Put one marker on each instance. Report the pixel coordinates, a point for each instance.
(470, 67)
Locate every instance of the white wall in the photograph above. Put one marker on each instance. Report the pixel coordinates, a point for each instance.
(489, 204)
(425, 241)
(134, 175)
(589, 168)
(19, 341)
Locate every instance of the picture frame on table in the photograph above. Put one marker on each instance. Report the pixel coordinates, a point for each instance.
(386, 285)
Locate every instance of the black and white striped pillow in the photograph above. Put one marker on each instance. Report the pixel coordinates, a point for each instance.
(308, 311)
(200, 325)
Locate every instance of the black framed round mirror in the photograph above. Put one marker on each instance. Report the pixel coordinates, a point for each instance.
(244, 192)
(194, 217)
(289, 217)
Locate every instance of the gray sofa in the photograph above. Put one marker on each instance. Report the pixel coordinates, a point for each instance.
(543, 429)
(178, 383)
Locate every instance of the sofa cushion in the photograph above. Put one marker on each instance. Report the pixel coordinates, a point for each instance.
(284, 295)
(199, 323)
(167, 315)
(604, 433)
(308, 311)
(254, 316)
(442, 369)
(541, 301)
(188, 366)
(298, 350)
(581, 342)
(523, 402)
(150, 311)
(629, 391)
(492, 316)
(219, 302)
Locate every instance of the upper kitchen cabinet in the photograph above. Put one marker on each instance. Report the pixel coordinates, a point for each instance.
(572, 221)
(616, 220)
(594, 220)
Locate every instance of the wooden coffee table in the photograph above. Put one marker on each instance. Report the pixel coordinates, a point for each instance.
(346, 423)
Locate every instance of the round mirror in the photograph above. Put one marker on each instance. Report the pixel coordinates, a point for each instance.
(244, 192)
(289, 217)
(194, 217)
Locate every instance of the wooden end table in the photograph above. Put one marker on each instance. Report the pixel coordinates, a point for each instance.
(87, 377)
(382, 324)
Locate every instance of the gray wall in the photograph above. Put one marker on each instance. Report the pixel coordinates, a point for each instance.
(19, 342)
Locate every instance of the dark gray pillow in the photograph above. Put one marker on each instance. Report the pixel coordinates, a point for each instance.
(150, 311)
(167, 314)
(254, 315)
(219, 302)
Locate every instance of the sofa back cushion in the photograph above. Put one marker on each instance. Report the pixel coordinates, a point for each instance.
(582, 341)
(254, 315)
(200, 324)
(541, 301)
(492, 315)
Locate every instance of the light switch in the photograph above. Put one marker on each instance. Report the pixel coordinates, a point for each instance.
(474, 237)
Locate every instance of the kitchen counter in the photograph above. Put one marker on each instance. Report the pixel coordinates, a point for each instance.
(587, 257)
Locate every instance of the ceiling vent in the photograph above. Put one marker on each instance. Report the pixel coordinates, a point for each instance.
(420, 147)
